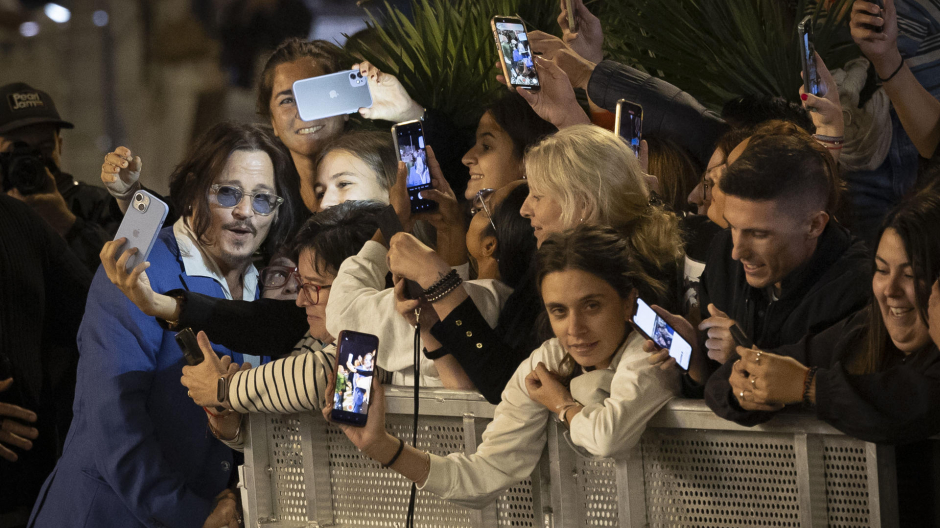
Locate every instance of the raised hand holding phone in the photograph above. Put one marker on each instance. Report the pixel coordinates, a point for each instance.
(409, 143)
(340, 93)
(515, 53)
(880, 47)
(353, 380)
(141, 226)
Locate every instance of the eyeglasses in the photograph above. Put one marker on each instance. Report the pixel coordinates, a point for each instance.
(278, 276)
(230, 196)
(313, 291)
(479, 204)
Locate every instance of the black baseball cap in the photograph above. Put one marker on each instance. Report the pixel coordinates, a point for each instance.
(22, 105)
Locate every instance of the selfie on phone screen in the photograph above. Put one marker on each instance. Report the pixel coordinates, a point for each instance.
(665, 337)
(517, 54)
(354, 380)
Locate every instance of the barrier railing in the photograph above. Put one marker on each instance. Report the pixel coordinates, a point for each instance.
(690, 469)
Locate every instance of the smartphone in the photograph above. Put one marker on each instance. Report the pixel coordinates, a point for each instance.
(356, 356)
(808, 56)
(186, 339)
(651, 325)
(628, 124)
(331, 95)
(572, 19)
(409, 141)
(141, 225)
(740, 338)
(515, 54)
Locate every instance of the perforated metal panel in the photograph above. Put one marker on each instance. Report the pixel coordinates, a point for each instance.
(515, 506)
(365, 494)
(846, 483)
(287, 463)
(719, 479)
(596, 480)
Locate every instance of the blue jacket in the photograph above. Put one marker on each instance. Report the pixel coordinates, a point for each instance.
(139, 452)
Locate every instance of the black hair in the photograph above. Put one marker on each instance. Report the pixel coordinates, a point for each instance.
(915, 221)
(780, 166)
(514, 115)
(515, 239)
(338, 233)
(748, 111)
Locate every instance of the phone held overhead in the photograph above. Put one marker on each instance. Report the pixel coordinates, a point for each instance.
(355, 369)
(808, 58)
(141, 225)
(628, 124)
(657, 330)
(409, 142)
(515, 53)
(331, 95)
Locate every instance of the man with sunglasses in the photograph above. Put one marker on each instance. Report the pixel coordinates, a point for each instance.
(138, 452)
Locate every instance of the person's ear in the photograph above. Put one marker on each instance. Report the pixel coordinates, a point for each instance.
(817, 224)
(488, 246)
(585, 212)
(274, 127)
(629, 304)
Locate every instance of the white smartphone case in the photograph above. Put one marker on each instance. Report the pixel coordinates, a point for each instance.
(331, 95)
(141, 225)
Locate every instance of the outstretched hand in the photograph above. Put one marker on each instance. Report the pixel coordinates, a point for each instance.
(588, 41)
(555, 102)
(880, 47)
(120, 172)
(135, 284)
(390, 100)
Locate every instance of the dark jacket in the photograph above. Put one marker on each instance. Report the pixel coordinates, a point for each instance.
(97, 218)
(43, 288)
(830, 286)
(667, 111)
(898, 405)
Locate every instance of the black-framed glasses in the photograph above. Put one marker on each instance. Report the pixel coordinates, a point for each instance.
(479, 204)
(231, 195)
(277, 276)
(312, 291)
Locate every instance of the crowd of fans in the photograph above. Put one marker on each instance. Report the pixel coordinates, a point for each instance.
(723, 221)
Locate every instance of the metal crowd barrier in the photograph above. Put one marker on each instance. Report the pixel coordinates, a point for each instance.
(691, 469)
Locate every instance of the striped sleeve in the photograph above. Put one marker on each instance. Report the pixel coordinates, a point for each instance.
(289, 385)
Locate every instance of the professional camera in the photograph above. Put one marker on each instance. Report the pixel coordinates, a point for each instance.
(23, 168)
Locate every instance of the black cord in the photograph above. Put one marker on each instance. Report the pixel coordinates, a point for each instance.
(410, 520)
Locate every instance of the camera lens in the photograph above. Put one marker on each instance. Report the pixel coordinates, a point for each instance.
(140, 207)
(352, 75)
(139, 197)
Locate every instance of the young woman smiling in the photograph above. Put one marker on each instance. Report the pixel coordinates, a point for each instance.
(593, 376)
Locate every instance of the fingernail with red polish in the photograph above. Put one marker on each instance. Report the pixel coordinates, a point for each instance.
(804, 97)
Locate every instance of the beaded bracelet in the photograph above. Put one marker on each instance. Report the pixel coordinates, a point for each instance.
(807, 383)
(445, 291)
(432, 290)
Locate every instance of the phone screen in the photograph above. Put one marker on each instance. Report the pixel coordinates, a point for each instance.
(808, 57)
(629, 124)
(356, 356)
(659, 332)
(409, 138)
(517, 55)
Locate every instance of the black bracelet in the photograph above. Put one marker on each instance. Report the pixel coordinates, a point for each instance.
(893, 74)
(401, 447)
(436, 354)
(807, 383)
(440, 284)
(445, 290)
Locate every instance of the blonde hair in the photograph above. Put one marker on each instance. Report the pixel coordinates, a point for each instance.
(590, 169)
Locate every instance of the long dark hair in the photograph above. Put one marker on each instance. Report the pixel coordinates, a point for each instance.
(514, 115)
(515, 241)
(192, 178)
(915, 221)
(602, 252)
(337, 233)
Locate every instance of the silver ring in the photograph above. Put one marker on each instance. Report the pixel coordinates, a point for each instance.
(741, 394)
(189, 393)
(754, 382)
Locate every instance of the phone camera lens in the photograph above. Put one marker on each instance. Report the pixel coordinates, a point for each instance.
(140, 207)
(139, 197)
(352, 75)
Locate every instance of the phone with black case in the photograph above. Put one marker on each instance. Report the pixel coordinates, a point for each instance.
(356, 355)
(409, 142)
(186, 339)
